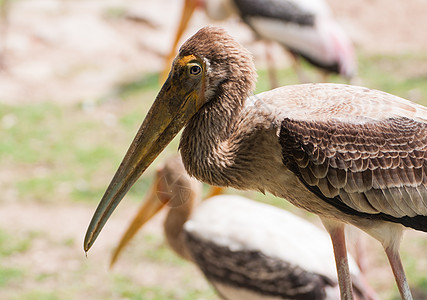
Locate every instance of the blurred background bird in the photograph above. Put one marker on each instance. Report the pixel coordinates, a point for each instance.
(246, 249)
(306, 29)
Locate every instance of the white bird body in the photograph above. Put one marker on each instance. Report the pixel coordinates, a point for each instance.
(241, 224)
(325, 44)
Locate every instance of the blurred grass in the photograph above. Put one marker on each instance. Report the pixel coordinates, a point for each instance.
(62, 153)
(403, 75)
(68, 151)
(127, 289)
(159, 252)
(9, 275)
(37, 295)
(13, 243)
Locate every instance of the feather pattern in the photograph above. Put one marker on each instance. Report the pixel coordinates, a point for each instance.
(284, 10)
(373, 167)
(262, 250)
(255, 271)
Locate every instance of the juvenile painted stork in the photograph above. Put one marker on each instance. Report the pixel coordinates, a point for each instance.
(306, 29)
(347, 153)
(247, 250)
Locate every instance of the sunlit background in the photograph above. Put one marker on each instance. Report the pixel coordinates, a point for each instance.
(76, 80)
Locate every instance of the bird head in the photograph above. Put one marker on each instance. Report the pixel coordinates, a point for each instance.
(173, 188)
(216, 9)
(210, 63)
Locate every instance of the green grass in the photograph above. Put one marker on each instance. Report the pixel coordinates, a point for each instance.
(37, 295)
(158, 251)
(396, 75)
(415, 275)
(29, 132)
(127, 289)
(10, 275)
(13, 243)
(50, 147)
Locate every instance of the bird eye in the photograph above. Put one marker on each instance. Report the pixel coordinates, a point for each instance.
(195, 70)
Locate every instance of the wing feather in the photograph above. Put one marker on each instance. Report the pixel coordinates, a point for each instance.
(285, 11)
(253, 270)
(318, 170)
(337, 177)
(376, 167)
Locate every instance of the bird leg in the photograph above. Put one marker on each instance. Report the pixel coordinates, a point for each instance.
(360, 251)
(399, 273)
(337, 233)
(272, 74)
(324, 76)
(302, 77)
(4, 24)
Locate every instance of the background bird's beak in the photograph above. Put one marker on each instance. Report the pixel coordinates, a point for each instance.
(171, 110)
(152, 205)
(187, 12)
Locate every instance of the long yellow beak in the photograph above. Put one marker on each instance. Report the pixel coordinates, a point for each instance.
(187, 12)
(152, 205)
(170, 112)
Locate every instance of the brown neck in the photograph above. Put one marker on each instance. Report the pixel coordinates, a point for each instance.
(174, 225)
(203, 143)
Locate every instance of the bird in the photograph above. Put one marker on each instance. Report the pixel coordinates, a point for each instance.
(307, 29)
(244, 248)
(349, 154)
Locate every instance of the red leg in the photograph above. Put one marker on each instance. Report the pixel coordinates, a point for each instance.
(399, 273)
(336, 231)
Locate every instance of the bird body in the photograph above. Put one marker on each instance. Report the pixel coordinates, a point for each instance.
(249, 249)
(306, 28)
(349, 154)
(244, 248)
(332, 105)
(240, 224)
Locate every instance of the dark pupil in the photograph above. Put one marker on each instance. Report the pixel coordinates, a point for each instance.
(195, 70)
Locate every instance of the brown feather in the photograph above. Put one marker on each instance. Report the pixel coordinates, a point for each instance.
(386, 155)
(337, 177)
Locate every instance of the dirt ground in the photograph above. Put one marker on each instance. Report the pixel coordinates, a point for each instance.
(76, 51)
